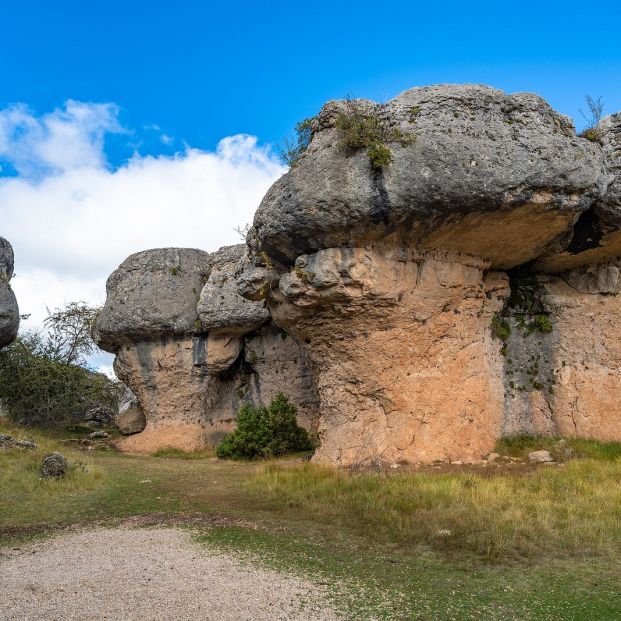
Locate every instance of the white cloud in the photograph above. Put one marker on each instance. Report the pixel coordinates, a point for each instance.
(72, 220)
(58, 141)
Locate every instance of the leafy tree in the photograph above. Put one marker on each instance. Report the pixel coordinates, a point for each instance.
(265, 432)
(43, 377)
(69, 337)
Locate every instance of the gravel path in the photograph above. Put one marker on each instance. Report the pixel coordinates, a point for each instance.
(146, 574)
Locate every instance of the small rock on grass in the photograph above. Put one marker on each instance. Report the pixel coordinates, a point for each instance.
(99, 435)
(54, 466)
(540, 457)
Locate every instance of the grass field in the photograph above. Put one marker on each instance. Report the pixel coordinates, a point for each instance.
(473, 543)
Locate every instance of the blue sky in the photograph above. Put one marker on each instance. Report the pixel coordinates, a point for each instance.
(134, 124)
(204, 70)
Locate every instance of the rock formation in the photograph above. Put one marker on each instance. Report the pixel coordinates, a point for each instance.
(193, 350)
(398, 276)
(9, 312)
(431, 274)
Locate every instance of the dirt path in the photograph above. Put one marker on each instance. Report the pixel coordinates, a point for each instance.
(146, 574)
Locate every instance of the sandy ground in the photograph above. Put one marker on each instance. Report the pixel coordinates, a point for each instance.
(146, 574)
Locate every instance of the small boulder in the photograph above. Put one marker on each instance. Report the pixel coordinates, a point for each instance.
(6, 441)
(131, 421)
(27, 444)
(100, 434)
(100, 415)
(540, 457)
(492, 457)
(54, 466)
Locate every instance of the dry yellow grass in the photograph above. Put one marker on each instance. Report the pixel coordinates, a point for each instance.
(558, 510)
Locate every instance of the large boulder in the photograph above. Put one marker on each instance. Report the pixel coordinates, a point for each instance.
(419, 252)
(473, 170)
(152, 294)
(9, 311)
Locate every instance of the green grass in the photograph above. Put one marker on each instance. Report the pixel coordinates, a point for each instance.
(175, 453)
(544, 543)
(384, 582)
(522, 445)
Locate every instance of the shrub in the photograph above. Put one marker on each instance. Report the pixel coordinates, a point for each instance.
(293, 150)
(501, 328)
(379, 156)
(593, 116)
(363, 130)
(265, 432)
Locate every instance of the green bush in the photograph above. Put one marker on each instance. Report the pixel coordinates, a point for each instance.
(379, 156)
(265, 432)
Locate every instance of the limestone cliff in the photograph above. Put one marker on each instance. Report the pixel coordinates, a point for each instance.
(9, 312)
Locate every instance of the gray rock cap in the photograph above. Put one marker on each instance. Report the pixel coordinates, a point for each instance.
(221, 308)
(472, 170)
(153, 293)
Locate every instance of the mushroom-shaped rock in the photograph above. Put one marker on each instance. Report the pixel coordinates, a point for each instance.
(388, 235)
(464, 168)
(221, 308)
(9, 311)
(189, 374)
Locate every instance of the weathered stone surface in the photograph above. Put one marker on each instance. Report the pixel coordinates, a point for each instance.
(131, 420)
(167, 378)
(54, 466)
(99, 415)
(401, 349)
(9, 311)
(153, 293)
(596, 235)
(567, 382)
(188, 406)
(221, 308)
(100, 434)
(502, 177)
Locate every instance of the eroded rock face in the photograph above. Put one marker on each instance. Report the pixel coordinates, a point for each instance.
(192, 350)
(400, 346)
(566, 382)
(9, 311)
(220, 308)
(473, 170)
